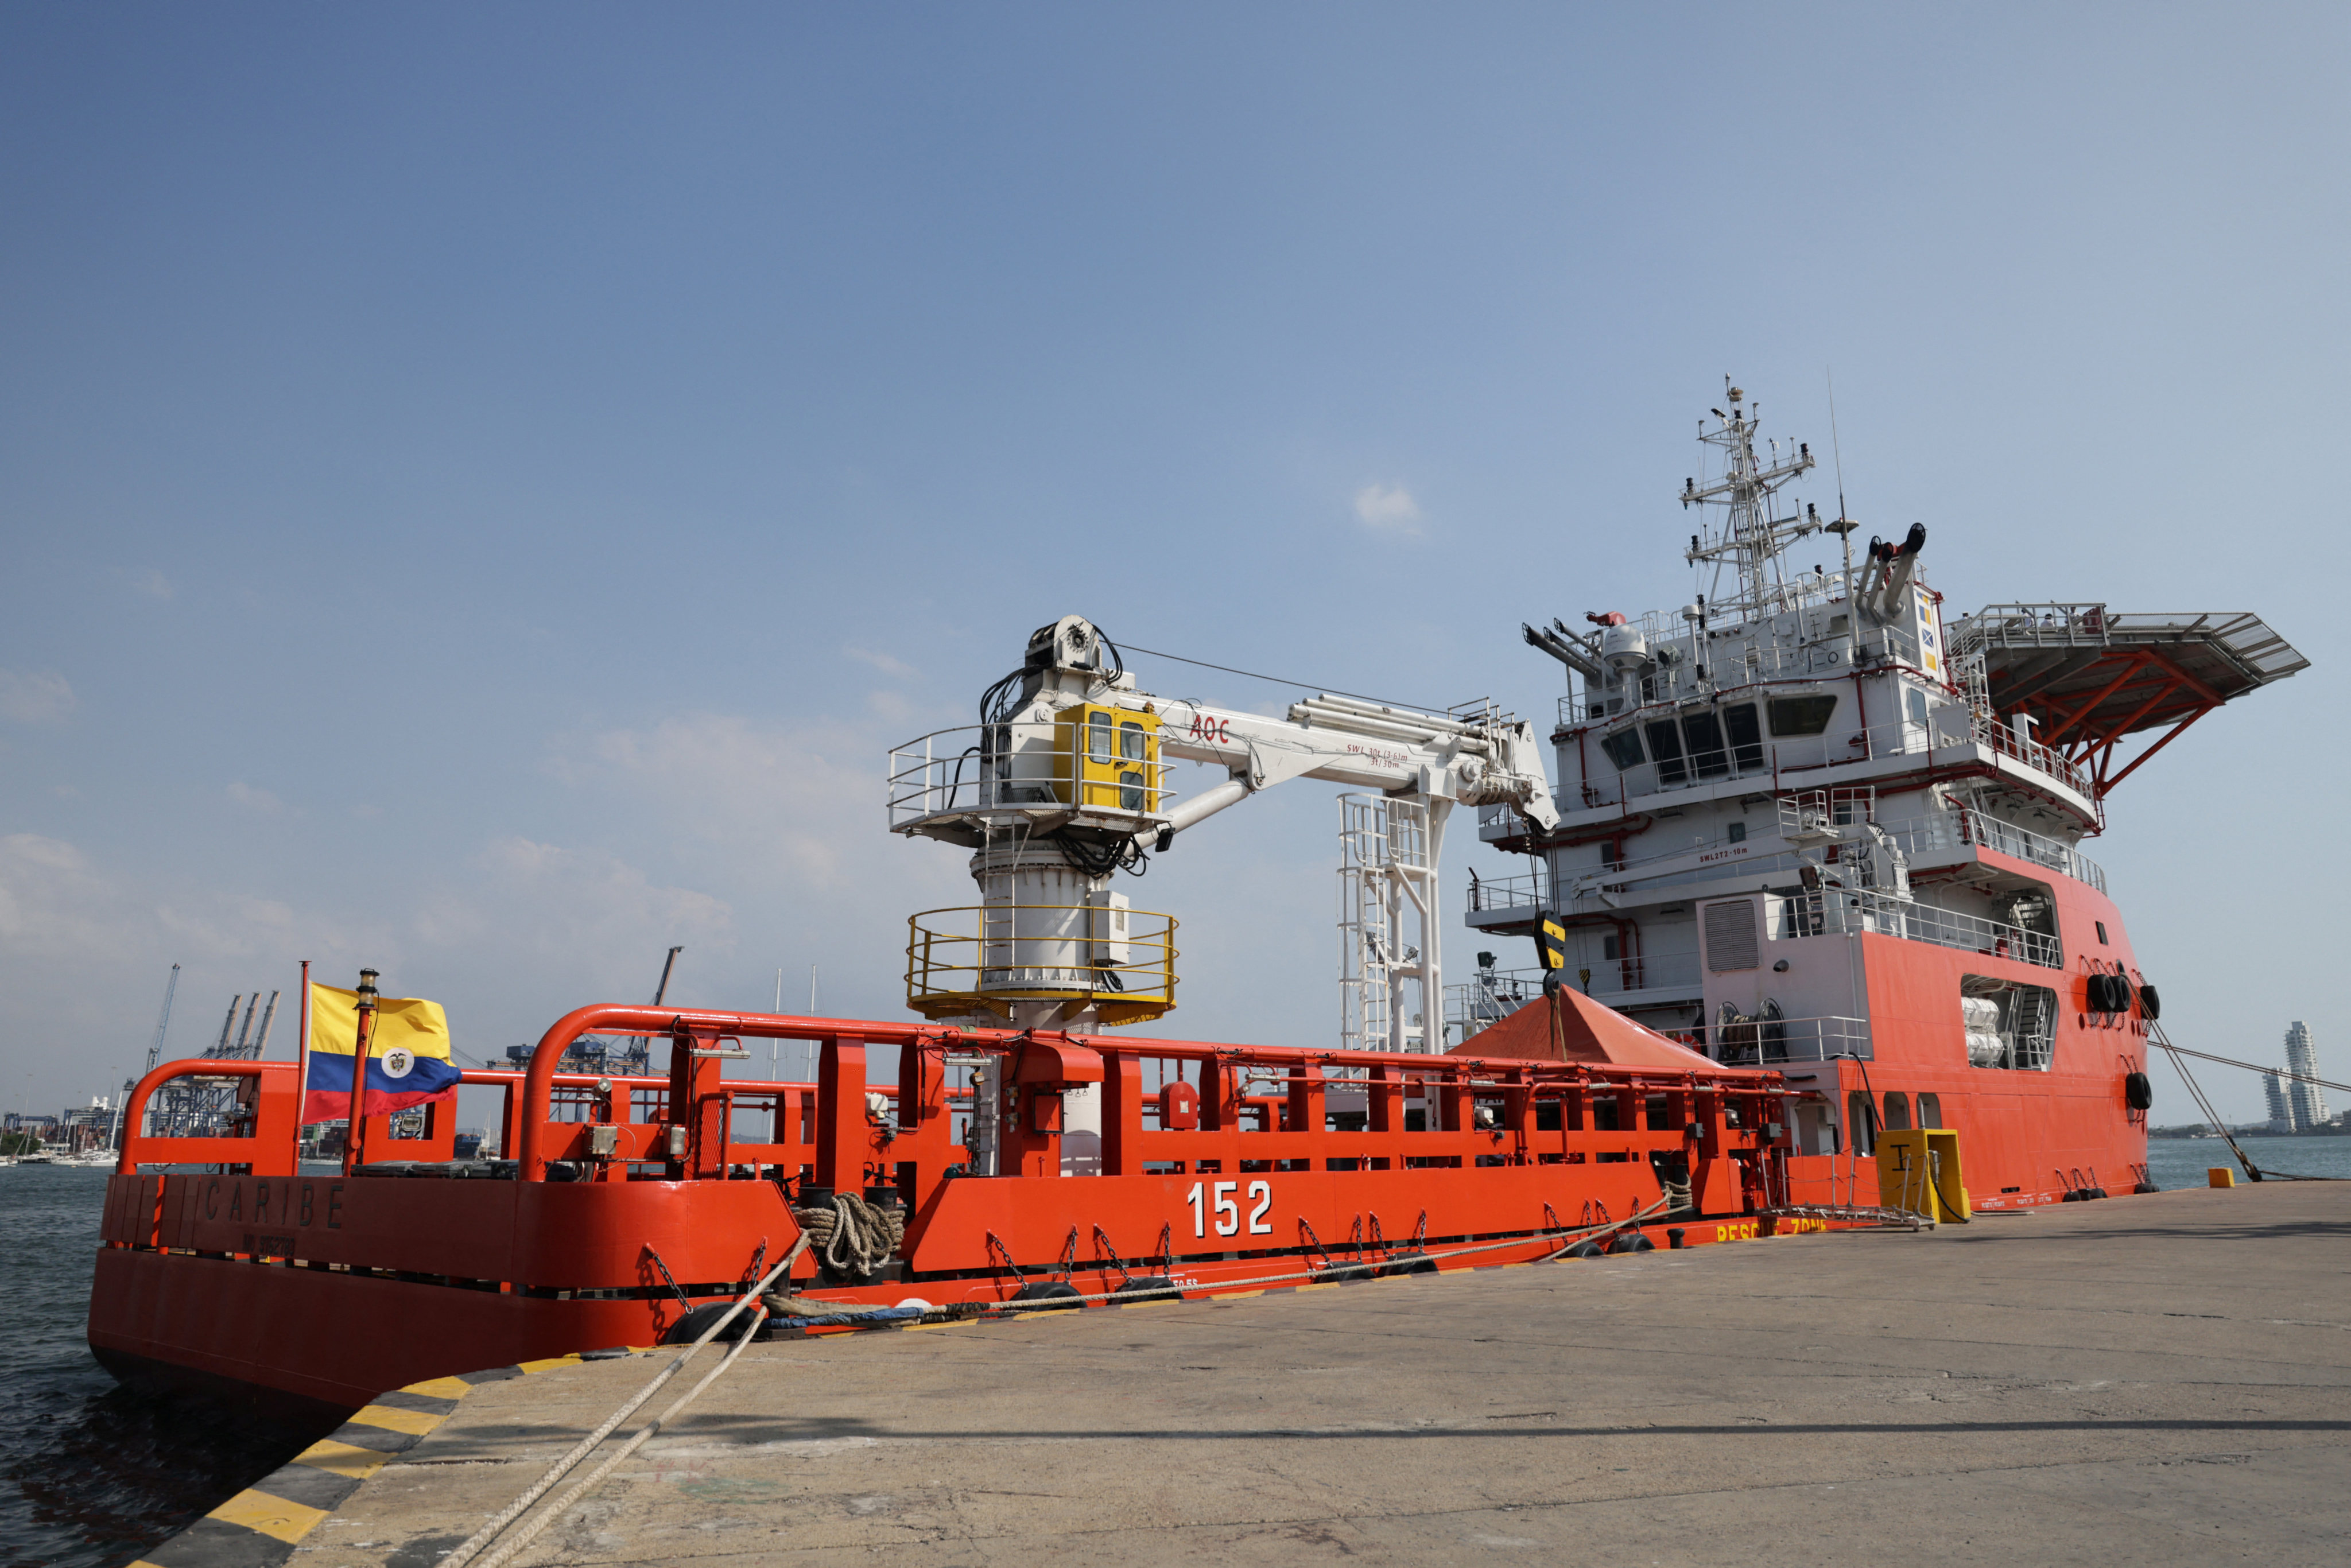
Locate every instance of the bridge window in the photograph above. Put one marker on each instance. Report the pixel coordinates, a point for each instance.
(1623, 749)
(1704, 733)
(1801, 715)
(1746, 739)
(1666, 746)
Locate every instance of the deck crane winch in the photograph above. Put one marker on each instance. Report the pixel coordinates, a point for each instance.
(1065, 781)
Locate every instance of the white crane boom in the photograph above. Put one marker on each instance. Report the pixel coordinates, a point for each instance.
(1359, 745)
(1064, 781)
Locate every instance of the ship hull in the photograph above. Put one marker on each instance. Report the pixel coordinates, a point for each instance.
(1249, 1167)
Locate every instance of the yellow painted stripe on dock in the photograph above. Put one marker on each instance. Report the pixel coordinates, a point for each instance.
(271, 1516)
(342, 1459)
(417, 1421)
(1235, 1295)
(549, 1365)
(441, 1387)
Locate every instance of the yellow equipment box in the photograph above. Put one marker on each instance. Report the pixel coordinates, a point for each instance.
(1918, 1170)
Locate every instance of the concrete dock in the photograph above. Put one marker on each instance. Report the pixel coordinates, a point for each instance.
(2156, 1379)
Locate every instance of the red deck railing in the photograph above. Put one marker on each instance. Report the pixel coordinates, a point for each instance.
(1459, 1145)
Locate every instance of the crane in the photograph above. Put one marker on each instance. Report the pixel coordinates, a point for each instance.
(1064, 782)
(154, 1054)
(156, 1049)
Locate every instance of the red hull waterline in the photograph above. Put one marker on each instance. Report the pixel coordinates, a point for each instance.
(1218, 1166)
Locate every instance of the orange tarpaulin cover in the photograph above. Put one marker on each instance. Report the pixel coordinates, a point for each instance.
(1587, 1033)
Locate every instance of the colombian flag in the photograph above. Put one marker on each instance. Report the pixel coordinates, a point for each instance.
(408, 1059)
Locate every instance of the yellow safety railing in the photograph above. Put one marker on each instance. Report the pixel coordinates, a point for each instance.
(964, 960)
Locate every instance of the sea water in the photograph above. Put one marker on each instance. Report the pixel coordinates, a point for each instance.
(93, 1474)
(2182, 1162)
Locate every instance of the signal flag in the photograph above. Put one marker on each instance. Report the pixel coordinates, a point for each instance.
(408, 1057)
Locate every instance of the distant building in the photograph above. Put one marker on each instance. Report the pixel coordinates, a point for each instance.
(2281, 1107)
(86, 1127)
(2307, 1101)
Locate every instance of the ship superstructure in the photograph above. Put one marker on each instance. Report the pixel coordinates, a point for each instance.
(1807, 822)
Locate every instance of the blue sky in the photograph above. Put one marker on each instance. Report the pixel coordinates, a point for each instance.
(483, 487)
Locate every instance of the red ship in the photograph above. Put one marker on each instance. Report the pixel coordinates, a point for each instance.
(323, 1289)
(1813, 925)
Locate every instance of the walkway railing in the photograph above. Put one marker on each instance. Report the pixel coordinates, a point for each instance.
(1845, 912)
(1767, 1043)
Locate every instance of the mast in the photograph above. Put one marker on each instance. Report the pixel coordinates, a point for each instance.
(1751, 539)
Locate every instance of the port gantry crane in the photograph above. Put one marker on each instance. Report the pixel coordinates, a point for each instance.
(1064, 781)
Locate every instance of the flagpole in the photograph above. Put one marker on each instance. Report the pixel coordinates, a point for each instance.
(358, 1071)
(301, 1063)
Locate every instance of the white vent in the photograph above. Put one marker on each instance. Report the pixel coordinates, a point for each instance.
(1731, 937)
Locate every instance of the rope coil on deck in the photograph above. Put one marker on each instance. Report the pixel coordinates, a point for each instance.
(853, 1237)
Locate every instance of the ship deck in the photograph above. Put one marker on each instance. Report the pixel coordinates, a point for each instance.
(2159, 1378)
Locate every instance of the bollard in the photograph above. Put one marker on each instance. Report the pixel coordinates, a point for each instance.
(1675, 1238)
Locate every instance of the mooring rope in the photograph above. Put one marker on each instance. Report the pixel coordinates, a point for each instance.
(507, 1549)
(562, 1505)
(587, 1445)
(1225, 1286)
(2287, 1074)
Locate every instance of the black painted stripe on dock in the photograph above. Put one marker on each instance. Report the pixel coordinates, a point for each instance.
(407, 1399)
(359, 1435)
(263, 1525)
